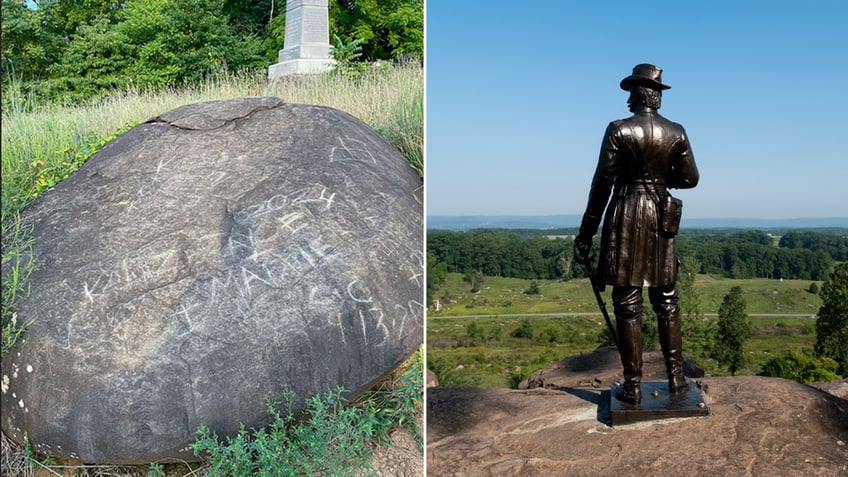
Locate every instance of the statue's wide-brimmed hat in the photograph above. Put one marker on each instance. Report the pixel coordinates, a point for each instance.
(644, 75)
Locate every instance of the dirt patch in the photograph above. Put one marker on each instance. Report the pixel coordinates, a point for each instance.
(403, 458)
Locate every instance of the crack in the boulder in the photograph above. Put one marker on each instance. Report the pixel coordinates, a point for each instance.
(219, 121)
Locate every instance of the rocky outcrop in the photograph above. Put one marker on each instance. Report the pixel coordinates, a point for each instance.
(757, 426)
(602, 367)
(204, 262)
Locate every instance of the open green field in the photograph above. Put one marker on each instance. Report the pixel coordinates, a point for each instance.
(465, 348)
(499, 296)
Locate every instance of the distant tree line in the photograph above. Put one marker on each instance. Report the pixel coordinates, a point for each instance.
(502, 253)
(753, 254)
(834, 245)
(804, 255)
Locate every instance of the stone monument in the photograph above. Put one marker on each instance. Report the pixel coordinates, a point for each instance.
(307, 43)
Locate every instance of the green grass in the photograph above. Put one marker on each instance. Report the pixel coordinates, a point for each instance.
(17, 267)
(499, 296)
(761, 295)
(492, 357)
(480, 351)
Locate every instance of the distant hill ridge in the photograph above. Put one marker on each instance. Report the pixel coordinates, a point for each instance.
(467, 222)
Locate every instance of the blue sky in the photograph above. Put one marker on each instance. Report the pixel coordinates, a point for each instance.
(519, 93)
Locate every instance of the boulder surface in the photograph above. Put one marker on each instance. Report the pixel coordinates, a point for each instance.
(204, 262)
(757, 426)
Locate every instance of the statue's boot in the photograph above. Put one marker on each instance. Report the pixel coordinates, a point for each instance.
(667, 309)
(629, 331)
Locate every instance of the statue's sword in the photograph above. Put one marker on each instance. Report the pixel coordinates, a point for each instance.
(597, 286)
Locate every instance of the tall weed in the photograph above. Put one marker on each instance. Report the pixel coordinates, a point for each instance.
(17, 266)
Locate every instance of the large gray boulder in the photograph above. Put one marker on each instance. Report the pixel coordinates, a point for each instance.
(204, 262)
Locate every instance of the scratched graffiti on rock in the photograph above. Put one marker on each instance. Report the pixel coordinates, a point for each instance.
(349, 149)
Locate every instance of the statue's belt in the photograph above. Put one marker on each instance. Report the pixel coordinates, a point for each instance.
(642, 188)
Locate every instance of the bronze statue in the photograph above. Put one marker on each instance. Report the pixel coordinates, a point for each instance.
(641, 158)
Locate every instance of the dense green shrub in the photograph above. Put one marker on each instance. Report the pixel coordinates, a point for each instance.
(803, 367)
(153, 44)
(525, 330)
(332, 437)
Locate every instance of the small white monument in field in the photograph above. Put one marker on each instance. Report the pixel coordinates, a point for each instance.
(306, 48)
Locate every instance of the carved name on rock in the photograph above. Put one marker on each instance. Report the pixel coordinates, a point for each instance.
(204, 262)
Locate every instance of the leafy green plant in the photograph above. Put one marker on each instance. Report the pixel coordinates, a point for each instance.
(650, 328)
(533, 289)
(346, 54)
(832, 319)
(331, 438)
(156, 470)
(473, 330)
(401, 400)
(46, 175)
(525, 330)
(445, 370)
(32, 458)
(802, 366)
(515, 378)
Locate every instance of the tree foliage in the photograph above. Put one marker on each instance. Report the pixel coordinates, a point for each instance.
(534, 255)
(476, 278)
(650, 328)
(832, 320)
(752, 254)
(832, 244)
(690, 300)
(524, 330)
(387, 28)
(73, 50)
(153, 44)
(502, 253)
(693, 324)
(802, 366)
(733, 330)
(533, 289)
(28, 46)
(436, 274)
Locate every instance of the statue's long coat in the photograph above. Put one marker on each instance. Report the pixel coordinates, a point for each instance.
(633, 251)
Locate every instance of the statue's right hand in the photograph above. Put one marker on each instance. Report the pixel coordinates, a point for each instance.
(582, 249)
